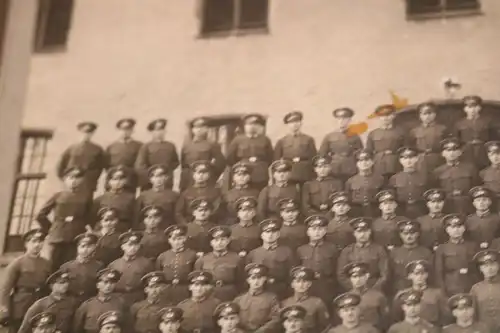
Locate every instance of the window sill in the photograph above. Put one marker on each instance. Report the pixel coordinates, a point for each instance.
(457, 13)
(50, 49)
(234, 33)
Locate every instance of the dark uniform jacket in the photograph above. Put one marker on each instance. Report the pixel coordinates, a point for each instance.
(300, 149)
(473, 133)
(293, 235)
(145, 316)
(247, 149)
(108, 248)
(431, 230)
(199, 237)
(259, 312)
(85, 155)
(362, 190)
(491, 179)
(176, 267)
(385, 230)
(245, 238)
(476, 327)
(130, 284)
(483, 229)
(123, 202)
(487, 301)
(122, 152)
(166, 199)
(374, 308)
(410, 187)
(211, 193)
(420, 327)
(87, 315)
(400, 257)
(317, 317)
(339, 232)
(427, 140)
(316, 195)
(341, 147)
(230, 197)
(154, 243)
(384, 144)
(269, 197)
(156, 152)
(361, 328)
(199, 314)
(83, 277)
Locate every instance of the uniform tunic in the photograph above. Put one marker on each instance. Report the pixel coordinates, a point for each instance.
(23, 281)
(476, 327)
(293, 235)
(245, 238)
(227, 270)
(473, 133)
(123, 202)
(341, 146)
(83, 277)
(400, 257)
(385, 230)
(300, 149)
(339, 232)
(491, 179)
(87, 315)
(317, 317)
(145, 316)
(431, 230)
(427, 139)
(86, 155)
(122, 152)
(130, 284)
(360, 328)
(279, 260)
(487, 301)
(156, 152)
(434, 307)
(176, 266)
(165, 199)
(230, 197)
(212, 194)
(456, 180)
(410, 187)
(108, 248)
(269, 197)
(483, 228)
(362, 189)
(259, 311)
(198, 314)
(322, 259)
(154, 243)
(372, 254)
(257, 151)
(316, 195)
(200, 150)
(374, 308)
(455, 271)
(63, 310)
(384, 144)
(420, 327)
(198, 236)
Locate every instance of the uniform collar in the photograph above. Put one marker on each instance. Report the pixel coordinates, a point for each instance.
(199, 300)
(387, 127)
(241, 187)
(435, 215)
(289, 224)
(246, 224)
(200, 185)
(198, 222)
(363, 245)
(300, 297)
(129, 259)
(252, 136)
(432, 123)
(81, 260)
(103, 298)
(284, 184)
(256, 292)
(316, 244)
(420, 288)
(410, 170)
(182, 249)
(365, 173)
(295, 134)
(388, 217)
(453, 163)
(152, 231)
(413, 322)
(340, 218)
(411, 246)
(460, 241)
(270, 247)
(219, 254)
(483, 214)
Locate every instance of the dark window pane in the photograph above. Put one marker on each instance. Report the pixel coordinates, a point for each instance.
(462, 4)
(423, 6)
(57, 23)
(4, 7)
(253, 13)
(218, 15)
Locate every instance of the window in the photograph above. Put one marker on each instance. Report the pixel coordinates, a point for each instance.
(233, 16)
(439, 8)
(4, 7)
(30, 176)
(53, 25)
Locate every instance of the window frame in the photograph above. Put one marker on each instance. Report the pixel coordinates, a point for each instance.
(39, 42)
(443, 12)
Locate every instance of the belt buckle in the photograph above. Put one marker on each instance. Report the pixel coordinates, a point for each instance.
(68, 219)
(456, 192)
(175, 281)
(252, 159)
(296, 159)
(219, 283)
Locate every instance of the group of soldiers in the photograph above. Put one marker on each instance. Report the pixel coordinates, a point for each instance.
(397, 235)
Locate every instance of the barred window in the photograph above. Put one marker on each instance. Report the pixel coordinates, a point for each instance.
(53, 25)
(416, 9)
(30, 176)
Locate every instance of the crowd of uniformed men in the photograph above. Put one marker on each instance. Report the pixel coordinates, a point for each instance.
(397, 235)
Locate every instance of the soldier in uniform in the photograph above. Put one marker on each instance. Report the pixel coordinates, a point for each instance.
(487, 292)
(245, 235)
(198, 229)
(462, 308)
(320, 256)
(157, 151)
(259, 307)
(341, 145)
(158, 195)
(410, 184)
(385, 228)
(364, 250)
(490, 176)
(363, 186)
(111, 322)
(317, 316)
(227, 316)
(198, 148)
(277, 258)
(43, 323)
(154, 241)
(473, 131)
(87, 315)
(427, 136)
(23, 280)
(339, 230)
(225, 266)
(85, 155)
(316, 193)
(431, 227)
(455, 177)
(411, 304)
(293, 230)
(347, 306)
(453, 259)
(109, 245)
(199, 308)
(83, 270)
(293, 319)
(177, 263)
(124, 151)
(241, 187)
(59, 302)
(433, 300)
(132, 267)
(252, 147)
(384, 142)
(297, 147)
(145, 314)
(411, 250)
(201, 188)
(483, 225)
(171, 319)
(118, 197)
(70, 210)
(373, 306)
(281, 188)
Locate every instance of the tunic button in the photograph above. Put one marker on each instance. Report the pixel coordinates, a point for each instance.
(296, 159)
(323, 206)
(175, 281)
(252, 159)
(463, 270)
(68, 219)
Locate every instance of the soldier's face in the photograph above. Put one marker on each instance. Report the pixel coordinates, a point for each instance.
(323, 170)
(87, 136)
(241, 179)
(359, 281)
(342, 122)
(170, 326)
(409, 237)
(201, 176)
(220, 243)
(108, 222)
(489, 269)
(411, 310)
(451, 154)
(427, 117)
(293, 325)
(295, 126)
(34, 246)
(200, 131)
(247, 214)
(152, 220)
(177, 242)
(362, 235)
(281, 176)
(301, 285)
(126, 133)
(435, 206)
(289, 215)
(256, 282)
(494, 158)
(251, 128)
(229, 323)
(199, 289)
(464, 314)
(418, 278)
(270, 236)
(455, 231)
(85, 250)
(131, 249)
(201, 214)
(472, 110)
(158, 179)
(388, 207)
(364, 164)
(60, 287)
(387, 119)
(316, 233)
(154, 291)
(408, 162)
(117, 181)
(110, 328)
(159, 134)
(106, 286)
(349, 314)
(71, 182)
(341, 208)
(482, 203)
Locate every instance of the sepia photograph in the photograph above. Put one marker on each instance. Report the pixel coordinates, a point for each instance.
(250, 166)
